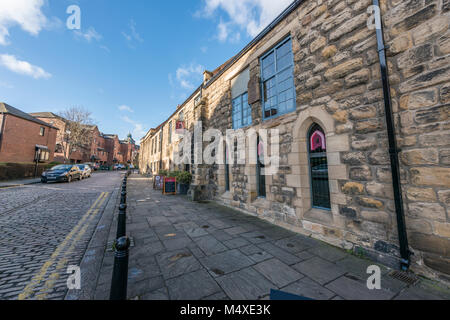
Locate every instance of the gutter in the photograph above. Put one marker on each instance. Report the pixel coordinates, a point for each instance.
(261, 35)
(393, 148)
(2, 129)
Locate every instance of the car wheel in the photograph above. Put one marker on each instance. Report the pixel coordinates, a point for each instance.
(69, 179)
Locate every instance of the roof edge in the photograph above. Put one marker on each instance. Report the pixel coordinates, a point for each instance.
(261, 35)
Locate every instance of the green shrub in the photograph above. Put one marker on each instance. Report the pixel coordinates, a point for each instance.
(184, 177)
(163, 173)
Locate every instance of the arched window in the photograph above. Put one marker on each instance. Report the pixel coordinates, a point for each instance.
(320, 187)
(260, 171)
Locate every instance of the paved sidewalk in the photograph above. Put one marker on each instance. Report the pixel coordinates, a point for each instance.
(16, 183)
(192, 251)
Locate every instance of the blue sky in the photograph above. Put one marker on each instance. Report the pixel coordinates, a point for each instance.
(131, 63)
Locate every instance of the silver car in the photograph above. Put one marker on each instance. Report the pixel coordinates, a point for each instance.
(86, 171)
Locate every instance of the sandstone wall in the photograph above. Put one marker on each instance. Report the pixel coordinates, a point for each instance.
(338, 86)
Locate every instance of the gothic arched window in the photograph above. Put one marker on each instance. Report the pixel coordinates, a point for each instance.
(317, 149)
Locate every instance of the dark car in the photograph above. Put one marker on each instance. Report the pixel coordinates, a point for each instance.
(62, 173)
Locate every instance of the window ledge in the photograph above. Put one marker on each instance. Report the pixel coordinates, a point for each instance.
(321, 216)
(227, 195)
(261, 203)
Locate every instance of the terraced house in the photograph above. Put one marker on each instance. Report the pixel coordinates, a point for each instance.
(363, 119)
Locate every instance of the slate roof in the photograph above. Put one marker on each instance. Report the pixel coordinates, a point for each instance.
(7, 109)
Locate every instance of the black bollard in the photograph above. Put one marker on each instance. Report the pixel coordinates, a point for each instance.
(122, 221)
(123, 197)
(120, 273)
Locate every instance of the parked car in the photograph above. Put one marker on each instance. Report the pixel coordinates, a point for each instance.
(95, 166)
(62, 173)
(86, 171)
(119, 167)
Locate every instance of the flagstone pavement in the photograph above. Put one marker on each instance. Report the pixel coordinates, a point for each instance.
(192, 251)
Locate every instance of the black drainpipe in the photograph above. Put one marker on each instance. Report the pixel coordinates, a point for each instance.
(393, 149)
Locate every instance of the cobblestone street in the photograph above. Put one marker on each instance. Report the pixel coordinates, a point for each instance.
(192, 251)
(44, 229)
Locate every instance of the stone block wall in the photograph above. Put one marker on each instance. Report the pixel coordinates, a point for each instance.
(419, 39)
(338, 86)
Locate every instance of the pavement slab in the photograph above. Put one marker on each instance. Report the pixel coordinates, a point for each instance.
(246, 284)
(226, 262)
(210, 245)
(281, 254)
(351, 289)
(320, 270)
(196, 251)
(277, 272)
(176, 263)
(310, 289)
(192, 286)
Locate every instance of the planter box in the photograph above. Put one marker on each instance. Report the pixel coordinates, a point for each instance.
(183, 188)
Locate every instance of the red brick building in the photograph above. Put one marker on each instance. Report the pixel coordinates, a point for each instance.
(21, 135)
(104, 149)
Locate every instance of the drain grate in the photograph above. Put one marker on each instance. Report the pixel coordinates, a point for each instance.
(405, 277)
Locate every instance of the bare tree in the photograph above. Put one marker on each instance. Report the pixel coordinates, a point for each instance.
(79, 128)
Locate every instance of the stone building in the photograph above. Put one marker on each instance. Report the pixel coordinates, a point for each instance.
(22, 136)
(317, 75)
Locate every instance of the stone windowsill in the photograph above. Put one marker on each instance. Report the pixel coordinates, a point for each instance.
(320, 216)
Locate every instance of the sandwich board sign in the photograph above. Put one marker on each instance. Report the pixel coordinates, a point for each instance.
(170, 186)
(158, 182)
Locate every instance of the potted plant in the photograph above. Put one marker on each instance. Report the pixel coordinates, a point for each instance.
(184, 180)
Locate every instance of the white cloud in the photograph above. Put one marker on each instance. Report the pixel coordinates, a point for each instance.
(125, 108)
(132, 36)
(251, 16)
(188, 77)
(138, 128)
(6, 85)
(89, 35)
(105, 48)
(23, 67)
(25, 13)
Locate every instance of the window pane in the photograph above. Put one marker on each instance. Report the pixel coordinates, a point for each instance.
(268, 66)
(320, 189)
(278, 91)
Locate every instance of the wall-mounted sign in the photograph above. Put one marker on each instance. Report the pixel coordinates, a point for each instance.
(318, 141)
(180, 126)
(158, 182)
(170, 186)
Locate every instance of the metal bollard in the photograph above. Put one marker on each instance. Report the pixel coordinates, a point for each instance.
(122, 221)
(120, 273)
(123, 197)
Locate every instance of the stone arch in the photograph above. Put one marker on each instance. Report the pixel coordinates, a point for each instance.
(298, 159)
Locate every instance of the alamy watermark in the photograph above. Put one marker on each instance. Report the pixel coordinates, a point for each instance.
(241, 147)
(374, 21)
(374, 281)
(74, 20)
(74, 280)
